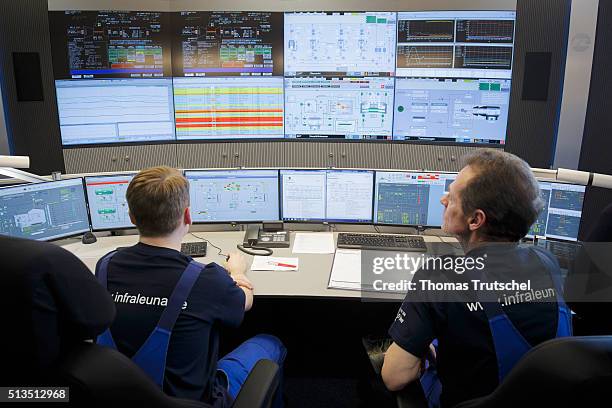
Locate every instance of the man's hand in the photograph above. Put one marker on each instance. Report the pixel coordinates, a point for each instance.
(242, 281)
(236, 264)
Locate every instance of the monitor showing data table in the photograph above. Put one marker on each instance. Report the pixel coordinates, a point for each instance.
(562, 212)
(327, 195)
(410, 198)
(227, 196)
(229, 108)
(108, 207)
(44, 211)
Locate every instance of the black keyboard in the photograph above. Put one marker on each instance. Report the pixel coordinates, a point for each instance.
(390, 242)
(194, 248)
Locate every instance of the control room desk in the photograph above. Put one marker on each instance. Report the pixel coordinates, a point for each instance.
(310, 280)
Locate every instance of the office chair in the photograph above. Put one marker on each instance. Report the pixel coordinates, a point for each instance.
(100, 377)
(564, 372)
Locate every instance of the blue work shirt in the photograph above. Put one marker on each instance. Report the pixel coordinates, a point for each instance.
(141, 279)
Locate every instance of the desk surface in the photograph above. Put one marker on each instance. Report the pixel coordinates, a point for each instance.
(310, 280)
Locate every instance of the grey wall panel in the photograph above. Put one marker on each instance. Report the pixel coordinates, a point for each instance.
(119, 158)
(368, 155)
(541, 26)
(428, 157)
(309, 154)
(261, 154)
(33, 127)
(204, 155)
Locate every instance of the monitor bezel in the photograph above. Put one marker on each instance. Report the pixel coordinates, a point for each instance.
(89, 207)
(425, 226)
(186, 175)
(70, 235)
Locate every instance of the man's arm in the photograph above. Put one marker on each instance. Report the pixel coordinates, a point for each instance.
(236, 266)
(399, 368)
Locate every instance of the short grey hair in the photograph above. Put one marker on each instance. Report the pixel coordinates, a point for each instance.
(505, 189)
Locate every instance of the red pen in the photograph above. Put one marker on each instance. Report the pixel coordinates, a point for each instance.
(284, 265)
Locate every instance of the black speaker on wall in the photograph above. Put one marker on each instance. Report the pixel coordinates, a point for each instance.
(540, 43)
(28, 79)
(537, 76)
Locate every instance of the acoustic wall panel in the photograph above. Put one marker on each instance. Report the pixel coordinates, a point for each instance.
(541, 26)
(118, 158)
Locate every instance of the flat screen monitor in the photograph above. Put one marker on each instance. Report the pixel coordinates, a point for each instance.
(115, 110)
(229, 108)
(227, 43)
(108, 208)
(44, 211)
(451, 110)
(455, 44)
(225, 196)
(110, 44)
(338, 196)
(562, 212)
(340, 43)
(339, 108)
(410, 198)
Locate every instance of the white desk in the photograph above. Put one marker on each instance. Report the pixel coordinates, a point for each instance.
(310, 281)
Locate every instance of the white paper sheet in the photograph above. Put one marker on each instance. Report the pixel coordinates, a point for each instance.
(346, 270)
(313, 243)
(274, 263)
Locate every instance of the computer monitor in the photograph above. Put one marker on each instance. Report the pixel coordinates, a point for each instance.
(461, 110)
(338, 196)
(44, 211)
(455, 44)
(340, 43)
(410, 198)
(229, 108)
(115, 110)
(226, 43)
(110, 44)
(223, 196)
(108, 208)
(339, 108)
(562, 212)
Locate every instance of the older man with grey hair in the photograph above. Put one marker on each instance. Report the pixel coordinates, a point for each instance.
(490, 206)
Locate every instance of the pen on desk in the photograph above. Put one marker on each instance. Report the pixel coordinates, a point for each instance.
(284, 265)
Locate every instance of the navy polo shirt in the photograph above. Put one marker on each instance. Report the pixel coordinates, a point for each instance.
(466, 360)
(141, 279)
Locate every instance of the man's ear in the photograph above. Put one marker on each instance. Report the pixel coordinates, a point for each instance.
(187, 216)
(477, 221)
(132, 218)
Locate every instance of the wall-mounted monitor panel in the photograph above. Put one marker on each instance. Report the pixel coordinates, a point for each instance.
(404, 198)
(225, 196)
(340, 43)
(562, 212)
(110, 44)
(227, 43)
(229, 108)
(339, 108)
(44, 211)
(455, 44)
(115, 110)
(108, 207)
(451, 110)
(327, 195)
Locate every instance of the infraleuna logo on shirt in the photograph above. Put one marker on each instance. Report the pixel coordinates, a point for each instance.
(139, 299)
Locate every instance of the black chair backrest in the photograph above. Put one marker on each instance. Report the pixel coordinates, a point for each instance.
(565, 372)
(100, 376)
